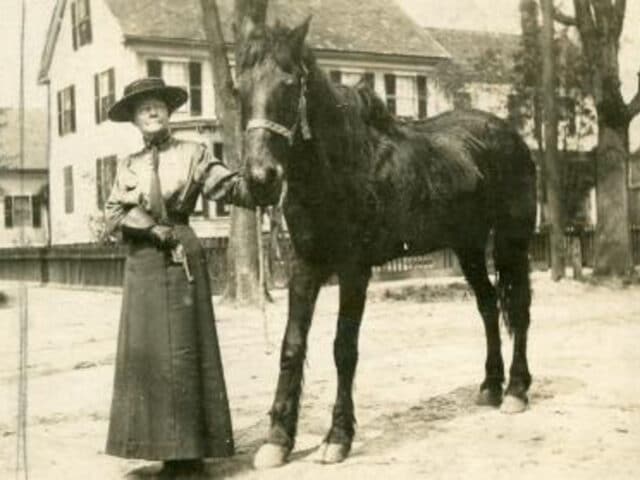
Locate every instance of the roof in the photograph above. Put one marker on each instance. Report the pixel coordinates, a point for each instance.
(374, 26)
(469, 46)
(50, 40)
(35, 139)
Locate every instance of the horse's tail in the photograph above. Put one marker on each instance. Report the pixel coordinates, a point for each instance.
(513, 229)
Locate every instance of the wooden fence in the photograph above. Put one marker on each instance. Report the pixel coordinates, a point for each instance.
(103, 265)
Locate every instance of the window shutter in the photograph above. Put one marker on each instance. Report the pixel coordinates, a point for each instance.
(73, 108)
(370, 80)
(74, 26)
(87, 13)
(421, 81)
(96, 91)
(390, 90)
(218, 150)
(8, 212)
(99, 189)
(390, 84)
(109, 167)
(112, 87)
(68, 189)
(195, 87)
(205, 207)
(36, 211)
(60, 113)
(154, 68)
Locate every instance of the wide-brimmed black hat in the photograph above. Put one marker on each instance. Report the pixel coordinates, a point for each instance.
(122, 110)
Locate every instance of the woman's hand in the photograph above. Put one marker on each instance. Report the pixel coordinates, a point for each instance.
(163, 236)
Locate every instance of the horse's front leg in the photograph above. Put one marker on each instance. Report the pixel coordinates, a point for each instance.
(304, 286)
(353, 291)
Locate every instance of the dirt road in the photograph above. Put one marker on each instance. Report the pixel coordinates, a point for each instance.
(420, 364)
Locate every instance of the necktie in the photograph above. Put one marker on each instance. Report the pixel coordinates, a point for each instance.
(156, 202)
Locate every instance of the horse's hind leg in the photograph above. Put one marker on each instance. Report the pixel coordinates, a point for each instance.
(304, 286)
(353, 289)
(514, 291)
(474, 267)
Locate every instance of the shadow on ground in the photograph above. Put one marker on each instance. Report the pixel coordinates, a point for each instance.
(431, 415)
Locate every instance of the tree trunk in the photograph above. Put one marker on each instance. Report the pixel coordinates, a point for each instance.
(532, 44)
(553, 170)
(600, 26)
(613, 237)
(242, 256)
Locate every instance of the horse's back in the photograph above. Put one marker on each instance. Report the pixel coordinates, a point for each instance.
(502, 158)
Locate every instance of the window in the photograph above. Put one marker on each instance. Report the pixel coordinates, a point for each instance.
(222, 209)
(335, 76)
(66, 111)
(105, 176)
(421, 83)
(351, 78)
(80, 23)
(105, 93)
(22, 211)
(405, 96)
(462, 100)
(68, 189)
(187, 75)
(390, 91)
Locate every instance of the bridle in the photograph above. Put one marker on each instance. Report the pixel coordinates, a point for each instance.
(302, 119)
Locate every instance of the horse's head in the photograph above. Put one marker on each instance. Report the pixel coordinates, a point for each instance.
(272, 86)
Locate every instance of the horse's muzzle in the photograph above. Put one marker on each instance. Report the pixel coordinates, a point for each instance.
(265, 184)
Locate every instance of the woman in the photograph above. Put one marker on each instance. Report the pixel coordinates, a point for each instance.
(169, 399)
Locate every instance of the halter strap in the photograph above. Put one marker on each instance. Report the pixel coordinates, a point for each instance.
(258, 123)
(288, 133)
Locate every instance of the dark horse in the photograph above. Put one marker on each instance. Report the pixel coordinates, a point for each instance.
(363, 188)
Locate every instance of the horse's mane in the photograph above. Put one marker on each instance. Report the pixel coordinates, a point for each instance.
(450, 149)
(269, 40)
(373, 110)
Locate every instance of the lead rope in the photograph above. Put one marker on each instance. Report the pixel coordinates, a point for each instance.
(268, 346)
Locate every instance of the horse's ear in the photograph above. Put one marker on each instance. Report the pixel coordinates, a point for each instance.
(297, 37)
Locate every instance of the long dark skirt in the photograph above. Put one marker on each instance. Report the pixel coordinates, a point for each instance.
(169, 396)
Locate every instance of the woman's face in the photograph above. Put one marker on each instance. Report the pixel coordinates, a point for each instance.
(151, 116)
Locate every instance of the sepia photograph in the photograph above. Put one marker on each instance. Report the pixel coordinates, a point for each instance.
(319, 239)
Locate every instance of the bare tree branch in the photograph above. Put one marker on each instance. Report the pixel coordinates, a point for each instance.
(563, 18)
(619, 9)
(634, 104)
(602, 14)
(586, 25)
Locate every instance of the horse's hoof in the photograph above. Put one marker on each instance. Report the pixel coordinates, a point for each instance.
(270, 456)
(512, 404)
(489, 398)
(333, 452)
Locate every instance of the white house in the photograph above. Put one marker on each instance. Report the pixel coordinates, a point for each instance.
(23, 184)
(95, 47)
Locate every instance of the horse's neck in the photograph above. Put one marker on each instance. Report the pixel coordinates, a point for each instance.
(312, 159)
